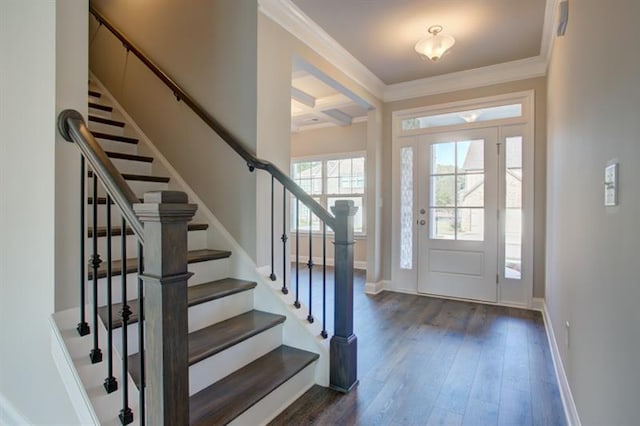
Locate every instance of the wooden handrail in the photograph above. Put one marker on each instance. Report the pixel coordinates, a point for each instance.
(252, 161)
(72, 127)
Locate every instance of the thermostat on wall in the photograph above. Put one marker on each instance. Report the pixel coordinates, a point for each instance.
(611, 185)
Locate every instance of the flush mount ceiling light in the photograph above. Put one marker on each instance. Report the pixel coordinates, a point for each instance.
(435, 45)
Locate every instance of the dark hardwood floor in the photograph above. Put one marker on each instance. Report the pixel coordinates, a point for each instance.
(429, 361)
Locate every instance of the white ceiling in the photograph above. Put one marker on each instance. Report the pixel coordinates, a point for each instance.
(381, 33)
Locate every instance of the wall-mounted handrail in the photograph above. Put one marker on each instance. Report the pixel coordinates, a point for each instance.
(252, 161)
(72, 127)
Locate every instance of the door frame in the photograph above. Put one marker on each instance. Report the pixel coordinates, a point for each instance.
(510, 292)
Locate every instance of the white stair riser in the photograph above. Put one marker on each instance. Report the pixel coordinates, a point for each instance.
(232, 306)
(126, 148)
(105, 128)
(196, 240)
(138, 187)
(209, 271)
(99, 112)
(214, 311)
(203, 272)
(133, 167)
(283, 396)
(214, 368)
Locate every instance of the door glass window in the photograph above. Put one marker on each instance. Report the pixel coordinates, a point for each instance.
(406, 207)
(456, 204)
(513, 208)
(463, 117)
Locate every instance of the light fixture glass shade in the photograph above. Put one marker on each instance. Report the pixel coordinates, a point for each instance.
(435, 45)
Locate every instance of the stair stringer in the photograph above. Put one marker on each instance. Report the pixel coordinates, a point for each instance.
(297, 332)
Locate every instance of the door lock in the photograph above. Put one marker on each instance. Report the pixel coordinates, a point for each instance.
(422, 211)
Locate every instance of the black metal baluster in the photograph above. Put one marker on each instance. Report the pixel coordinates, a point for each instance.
(96, 353)
(273, 274)
(310, 264)
(141, 367)
(83, 327)
(324, 333)
(284, 239)
(297, 302)
(126, 415)
(110, 383)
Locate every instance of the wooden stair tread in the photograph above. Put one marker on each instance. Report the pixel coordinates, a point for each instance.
(211, 340)
(108, 121)
(196, 295)
(214, 339)
(226, 399)
(101, 107)
(130, 157)
(194, 256)
(95, 94)
(116, 138)
(117, 230)
(140, 178)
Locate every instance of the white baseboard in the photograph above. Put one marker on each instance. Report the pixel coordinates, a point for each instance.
(537, 304)
(570, 409)
(357, 264)
(375, 288)
(9, 414)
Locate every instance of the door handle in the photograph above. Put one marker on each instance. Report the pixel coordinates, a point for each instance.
(422, 222)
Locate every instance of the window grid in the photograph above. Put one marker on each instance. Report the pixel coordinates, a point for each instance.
(329, 180)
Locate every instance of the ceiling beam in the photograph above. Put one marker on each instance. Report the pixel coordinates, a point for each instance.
(303, 97)
(337, 117)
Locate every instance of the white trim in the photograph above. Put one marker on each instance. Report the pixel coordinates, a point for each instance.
(537, 304)
(292, 19)
(570, 409)
(10, 414)
(375, 288)
(402, 138)
(468, 79)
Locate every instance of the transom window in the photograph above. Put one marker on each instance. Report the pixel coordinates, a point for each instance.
(328, 180)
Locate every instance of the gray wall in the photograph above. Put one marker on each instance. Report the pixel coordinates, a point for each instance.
(43, 70)
(210, 49)
(592, 250)
(539, 86)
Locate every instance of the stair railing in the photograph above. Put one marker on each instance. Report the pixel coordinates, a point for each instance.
(343, 364)
(158, 223)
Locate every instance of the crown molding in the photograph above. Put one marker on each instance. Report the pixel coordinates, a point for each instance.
(292, 19)
(468, 79)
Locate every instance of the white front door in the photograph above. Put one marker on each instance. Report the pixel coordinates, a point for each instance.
(457, 214)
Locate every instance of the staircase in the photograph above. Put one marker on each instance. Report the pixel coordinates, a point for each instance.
(240, 371)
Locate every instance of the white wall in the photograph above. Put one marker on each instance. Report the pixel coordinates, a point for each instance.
(329, 140)
(29, 181)
(592, 251)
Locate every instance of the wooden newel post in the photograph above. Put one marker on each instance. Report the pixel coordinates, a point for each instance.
(343, 361)
(164, 215)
